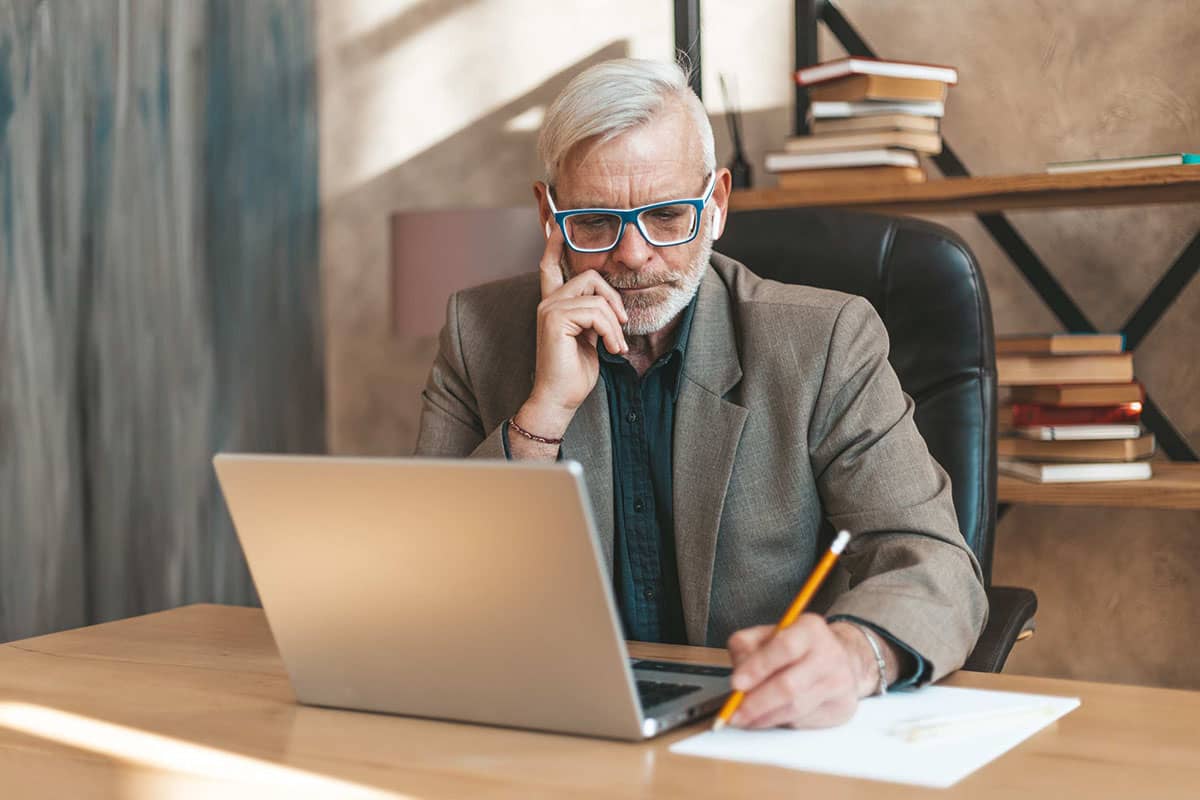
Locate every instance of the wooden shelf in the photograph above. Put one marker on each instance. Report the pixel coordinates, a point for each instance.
(1117, 187)
(1175, 485)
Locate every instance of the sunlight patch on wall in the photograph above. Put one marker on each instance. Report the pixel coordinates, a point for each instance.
(429, 84)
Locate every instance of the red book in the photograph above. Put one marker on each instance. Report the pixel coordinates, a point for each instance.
(1030, 414)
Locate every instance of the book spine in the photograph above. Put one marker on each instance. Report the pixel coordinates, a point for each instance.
(1031, 414)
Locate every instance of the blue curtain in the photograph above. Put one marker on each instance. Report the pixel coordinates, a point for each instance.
(159, 296)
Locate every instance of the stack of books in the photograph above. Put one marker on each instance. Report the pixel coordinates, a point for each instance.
(1073, 410)
(870, 119)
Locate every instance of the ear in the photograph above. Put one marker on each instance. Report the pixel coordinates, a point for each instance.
(543, 207)
(720, 201)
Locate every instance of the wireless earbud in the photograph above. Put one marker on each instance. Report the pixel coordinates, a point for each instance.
(716, 224)
(547, 230)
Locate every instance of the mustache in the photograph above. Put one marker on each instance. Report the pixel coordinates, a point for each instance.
(641, 281)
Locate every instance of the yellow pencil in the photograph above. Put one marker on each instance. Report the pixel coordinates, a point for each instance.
(794, 611)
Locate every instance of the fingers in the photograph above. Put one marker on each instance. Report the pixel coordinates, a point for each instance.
(588, 282)
(801, 676)
(591, 282)
(790, 688)
(810, 693)
(746, 641)
(787, 646)
(550, 266)
(575, 316)
(832, 711)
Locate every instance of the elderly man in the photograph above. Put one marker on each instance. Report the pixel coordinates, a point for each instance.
(719, 417)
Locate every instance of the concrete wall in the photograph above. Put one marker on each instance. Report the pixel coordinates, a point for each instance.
(434, 104)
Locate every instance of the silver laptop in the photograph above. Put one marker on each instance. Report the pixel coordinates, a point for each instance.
(459, 590)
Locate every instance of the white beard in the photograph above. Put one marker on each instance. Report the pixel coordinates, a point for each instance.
(647, 319)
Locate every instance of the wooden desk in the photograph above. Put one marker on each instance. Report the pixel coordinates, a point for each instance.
(210, 677)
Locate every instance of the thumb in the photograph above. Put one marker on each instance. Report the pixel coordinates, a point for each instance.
(551, 263)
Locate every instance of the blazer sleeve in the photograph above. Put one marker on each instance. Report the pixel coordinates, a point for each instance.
(450, 423)
(907, 570)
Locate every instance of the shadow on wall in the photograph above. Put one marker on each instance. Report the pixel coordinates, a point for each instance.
(368, 48)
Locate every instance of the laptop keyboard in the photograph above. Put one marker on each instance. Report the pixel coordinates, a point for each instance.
(653, 693)
(678, 668)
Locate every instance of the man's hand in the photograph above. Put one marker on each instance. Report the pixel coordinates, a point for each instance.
(572, 317)
(810, 675)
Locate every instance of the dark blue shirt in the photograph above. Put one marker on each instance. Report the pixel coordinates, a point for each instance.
(641, 413)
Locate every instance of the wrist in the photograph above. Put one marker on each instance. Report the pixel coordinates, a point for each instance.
(865, 666)
(544, 419)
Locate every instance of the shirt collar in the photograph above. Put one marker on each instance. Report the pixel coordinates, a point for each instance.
(672, 360)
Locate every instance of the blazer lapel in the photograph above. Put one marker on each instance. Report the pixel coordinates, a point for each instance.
(707, 431)
(588, 441)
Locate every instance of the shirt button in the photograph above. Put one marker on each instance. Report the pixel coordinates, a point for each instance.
(631, 417)
(638, 505)
(648, 594)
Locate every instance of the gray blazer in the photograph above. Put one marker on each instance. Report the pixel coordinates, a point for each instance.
(788, 413)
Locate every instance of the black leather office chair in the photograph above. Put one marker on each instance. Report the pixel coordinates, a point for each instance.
(926, 285)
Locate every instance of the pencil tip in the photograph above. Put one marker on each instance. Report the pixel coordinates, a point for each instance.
(720, 723)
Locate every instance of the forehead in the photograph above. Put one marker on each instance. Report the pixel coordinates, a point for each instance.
(660, 160)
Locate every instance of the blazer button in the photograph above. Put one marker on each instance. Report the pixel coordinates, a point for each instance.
(631, 417)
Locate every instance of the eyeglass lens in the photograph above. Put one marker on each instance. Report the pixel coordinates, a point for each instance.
(662, 226)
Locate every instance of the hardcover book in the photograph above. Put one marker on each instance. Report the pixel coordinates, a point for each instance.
(1104, 450)
(857, 65)
(1130, 162)
(1060, 343)
(782, 162)
(922, 142)
(1025, 370)
(817, 180)
(1030, 414)
(1076, 473)
(1094, 394)
(855, 88)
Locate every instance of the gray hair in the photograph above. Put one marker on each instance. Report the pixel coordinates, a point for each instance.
(615, 96)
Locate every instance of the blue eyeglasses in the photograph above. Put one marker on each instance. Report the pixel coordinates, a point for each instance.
(598, 230)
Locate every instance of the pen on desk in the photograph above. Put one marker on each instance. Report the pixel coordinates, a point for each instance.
(797, 607)
(970, 724)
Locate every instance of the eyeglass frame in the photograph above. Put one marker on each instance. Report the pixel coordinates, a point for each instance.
(631, 215)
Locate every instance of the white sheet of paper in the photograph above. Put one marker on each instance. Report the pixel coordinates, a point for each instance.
(868, 747)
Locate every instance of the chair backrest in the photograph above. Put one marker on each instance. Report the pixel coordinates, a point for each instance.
(926, 285)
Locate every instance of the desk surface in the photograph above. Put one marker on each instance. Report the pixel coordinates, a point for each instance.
(206, 683)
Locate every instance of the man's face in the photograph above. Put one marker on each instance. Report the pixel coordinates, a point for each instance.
(658, 161)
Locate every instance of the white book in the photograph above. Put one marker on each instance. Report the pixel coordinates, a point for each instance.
(828, 109)
(1053, 433)
(1132, 162)
(785, 162)
(831, 70)
(1075, 473)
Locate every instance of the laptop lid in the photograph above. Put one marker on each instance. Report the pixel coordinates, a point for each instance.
(453, 589)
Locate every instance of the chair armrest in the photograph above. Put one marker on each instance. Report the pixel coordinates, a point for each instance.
(1011, 612)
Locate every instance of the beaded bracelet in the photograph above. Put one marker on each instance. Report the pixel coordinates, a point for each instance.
(512, 424)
